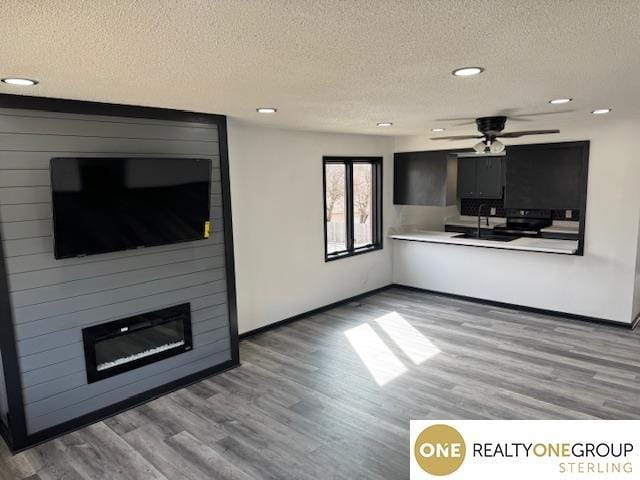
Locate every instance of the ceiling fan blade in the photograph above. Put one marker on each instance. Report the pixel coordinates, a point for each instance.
(457, 137)
(519, 119)
(457, 122)
(526, 132)
(513, 115)
(456, 119)
(540, 114)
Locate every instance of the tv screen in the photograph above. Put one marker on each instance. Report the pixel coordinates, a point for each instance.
(109, 204)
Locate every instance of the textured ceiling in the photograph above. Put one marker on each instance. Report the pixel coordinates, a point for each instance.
(333, 65)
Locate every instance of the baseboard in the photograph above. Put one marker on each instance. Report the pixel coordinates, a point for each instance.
(523, 308)
(131, 402)
(315, 311)
(482, 301)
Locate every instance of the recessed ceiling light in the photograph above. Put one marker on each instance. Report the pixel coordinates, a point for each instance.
(266, 110)
(558, 101)
(438, 129)
(23, 82)
(601, 111)
(384, 124)
(467, 71)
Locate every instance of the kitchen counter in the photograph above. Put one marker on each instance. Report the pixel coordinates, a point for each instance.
(566, 247)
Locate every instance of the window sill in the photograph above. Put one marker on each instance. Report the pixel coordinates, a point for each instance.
(357, 251)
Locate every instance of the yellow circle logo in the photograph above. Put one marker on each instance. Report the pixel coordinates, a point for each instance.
(440, 450)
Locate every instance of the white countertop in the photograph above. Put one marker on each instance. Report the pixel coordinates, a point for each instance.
(567, 247)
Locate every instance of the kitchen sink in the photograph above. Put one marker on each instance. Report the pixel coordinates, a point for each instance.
(489, 236)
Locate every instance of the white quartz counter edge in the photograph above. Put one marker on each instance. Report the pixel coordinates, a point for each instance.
(567, 247)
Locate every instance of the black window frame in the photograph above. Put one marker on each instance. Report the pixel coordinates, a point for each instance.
(376, 205)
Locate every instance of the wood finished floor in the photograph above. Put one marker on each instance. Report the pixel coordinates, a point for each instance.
(304, 406)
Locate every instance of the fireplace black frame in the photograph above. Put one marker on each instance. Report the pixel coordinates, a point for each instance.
(15, 430)
(132, 324)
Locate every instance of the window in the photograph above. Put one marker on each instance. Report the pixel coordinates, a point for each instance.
(352, 205)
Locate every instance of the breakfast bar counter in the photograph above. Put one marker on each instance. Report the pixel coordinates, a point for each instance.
(566, 247)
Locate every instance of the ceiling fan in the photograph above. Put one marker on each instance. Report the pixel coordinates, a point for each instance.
(491, 129)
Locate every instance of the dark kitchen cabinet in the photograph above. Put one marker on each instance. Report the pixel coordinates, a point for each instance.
(551, 176)
(490, 177)
(467, 174)
(424, 178)
(480, 177)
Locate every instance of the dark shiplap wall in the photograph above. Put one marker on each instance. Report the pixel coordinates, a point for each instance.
(53, 300)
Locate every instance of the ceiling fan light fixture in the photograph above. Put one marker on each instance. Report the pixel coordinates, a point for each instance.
(480, 147)
(496, 147)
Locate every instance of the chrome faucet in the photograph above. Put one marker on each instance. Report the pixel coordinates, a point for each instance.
(480, 207)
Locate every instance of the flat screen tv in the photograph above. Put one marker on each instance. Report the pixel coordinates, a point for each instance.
(109, 204)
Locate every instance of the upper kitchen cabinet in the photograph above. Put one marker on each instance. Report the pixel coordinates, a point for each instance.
(467, 177)
(551, 176)
(480, 177)
(425, 178)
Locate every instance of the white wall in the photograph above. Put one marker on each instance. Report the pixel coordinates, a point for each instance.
(276, 185)
(599, 284)
(277, 206)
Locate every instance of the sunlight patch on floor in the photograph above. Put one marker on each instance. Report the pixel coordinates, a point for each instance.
(381, 362)
(413, 343)
(375, 349)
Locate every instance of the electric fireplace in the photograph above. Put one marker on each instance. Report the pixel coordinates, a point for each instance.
(122, 345)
